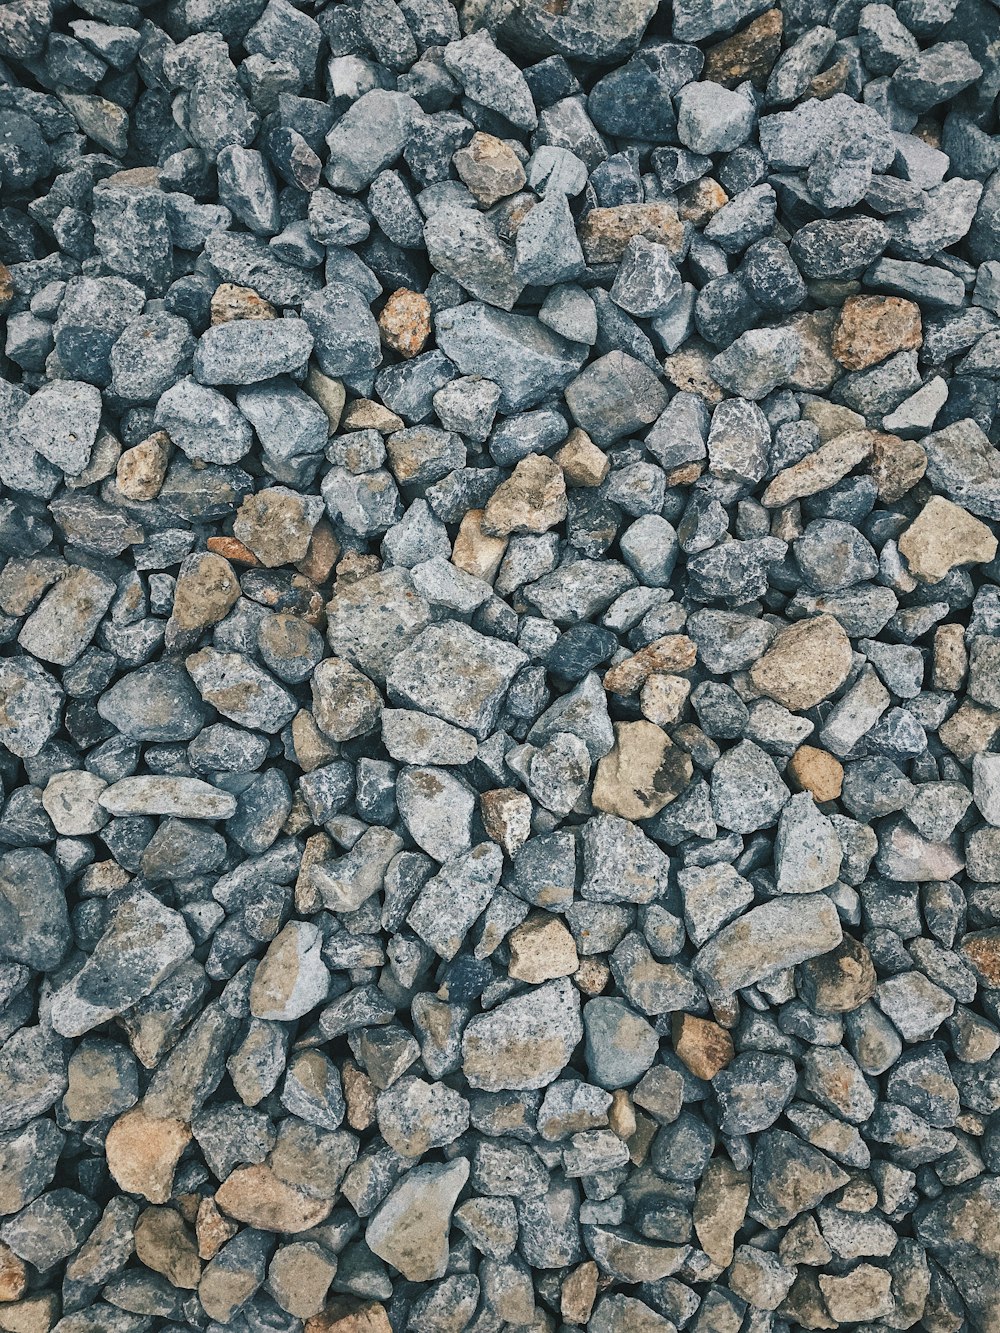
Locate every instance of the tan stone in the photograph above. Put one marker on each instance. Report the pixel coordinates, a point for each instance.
(212, 1229)
(672, 652)
(819, 470)
(490, 168)
(255, 1195)
(299, 1277)
(701, 1045)
(897, 464)
(644, 772)
(506, 814)
(94, 1081)
(328, 393)
(230, 301)
(35, 1314)
(804, 1304)
(663, 697)
(143, 1152)
(943, 536)
(476, 551)
(13, 1275)
(355, 565)
(312, 748)
(690, 371)
(164, 1244)
(605, 232)
(405, 322)
(805, 663)
(981, 950)
(699, 202)
(323, 554)
(583, 464)
(749, 54)
(532, 499)
(720, 1207)
(830, 81)
(591, 976)
(366, 414)
(6, 288)
(872, 328)
(276, 525)
(969, 731)
(141, 469)
(541, 949)
(233, 550)
(346, 1314)
(579, 1291)
(621, 1114)
(830, 419)
(817, 366)
(207, 589)
(816, 771)
(359, 1094)
(863, 1295)
(950, 660)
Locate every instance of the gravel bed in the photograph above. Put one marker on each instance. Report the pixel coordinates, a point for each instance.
(499, 666)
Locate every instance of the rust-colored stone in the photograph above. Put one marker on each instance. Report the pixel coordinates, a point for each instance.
(405, 322)
(872, 328)
(700, 201)
(701, 1045)
(232, 549)
(605, 232)
(749, 54)
(816, 771)
(230, 301)
(346, 1314)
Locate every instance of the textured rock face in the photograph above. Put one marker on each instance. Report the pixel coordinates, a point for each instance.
(499, 666)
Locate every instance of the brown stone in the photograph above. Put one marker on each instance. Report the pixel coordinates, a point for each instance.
(359, 1094)
(532, 499)
(699, 202)
(405, 322)
(605, 232)
(673, 652)
(689, 371)
(347, 1314)
(541, 949)
(583, 464)
(141, 469)
(579, 1291)
(476, 551)
(872, 328)
(207, 589)
(816, 771)
(143, 1153)
(805, 663)
(490, 168)
(277, 525)
(13, 1275)
(233, 550)
(230, 302)
(720, 1208)
(817, 367)
(212, 1229)
(749, 54)
(950, 660)
(506, 814)
(820, 470)
(255, 1195)
(830, 81)
(591, 976)
(701, 1045)
(942, 537)
(355, 565)
(35, 1314)
(164, 1244)
(981, 950)
(6, 288)
(366, 414)
(323, 554)
(897, 465)
(644, 772)
(969, 730)
(839, 981)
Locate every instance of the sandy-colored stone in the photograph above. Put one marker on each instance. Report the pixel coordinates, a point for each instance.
(749, 54)
(490, 168)
(328, 393)
(366, 414)
(405, 322)
(830, 419)
(323, 553)
(141, 469)
(872, 328)
(942, 536)
(862, 1295)
(662, 698)
(164, 1244)
(230, 301)
(299, 1277)
(699, 202)
(212, 1228)
(950, 659)
(233, 550)
(255, 1195)
(819, 470)
(506, 814)
(6, 288)
(672, 652)
(13, 1275)
(207, 590)
(644, 772)
(701, 1045)
(690, 371)
(832, 80)
(969, 730)
(532, 499)
(360, 1094)
(291, 978)
(277, 524)
(409, 1229)
(605, 232)
(896, 464)
(578, 1293)
(346, 1314)
(541, 949)
(981, 950)
(816, 771)
(805, 663)
(720, 1208)
(35, 1314)
(143, 1153)
(476, 551)
(583, 464)
(591, 976)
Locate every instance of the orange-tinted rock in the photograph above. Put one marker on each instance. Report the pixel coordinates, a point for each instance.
(232, 549)
(816, 771)
(673, 652)
(701, 1045)
(143, 1153)
(255, 1195)
(6, 287)
(605, 232)
(405, 322)
(346, 1314)
(749, 54)
(230, 302)
(700, 201)
(872, 328)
